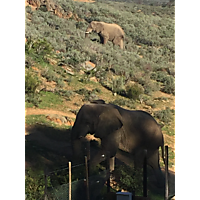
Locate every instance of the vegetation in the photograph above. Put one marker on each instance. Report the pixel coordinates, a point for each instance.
(56, 51)
(149, 43)
(129, 179)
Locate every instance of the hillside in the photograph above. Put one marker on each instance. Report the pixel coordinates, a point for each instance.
(64, 70)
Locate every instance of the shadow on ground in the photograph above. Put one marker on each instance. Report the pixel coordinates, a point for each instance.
(47, 147)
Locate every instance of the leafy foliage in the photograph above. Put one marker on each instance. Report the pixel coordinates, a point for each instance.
(34, 185)
(31, 84)
(134, 91)
(149, 41)
(129, 178)
(165, 116)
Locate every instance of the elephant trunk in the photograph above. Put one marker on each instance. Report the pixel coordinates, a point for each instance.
(77, 148)
(86, 34)
(88, 30)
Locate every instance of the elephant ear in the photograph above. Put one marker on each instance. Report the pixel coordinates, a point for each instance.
(99, 27)
(110, 120)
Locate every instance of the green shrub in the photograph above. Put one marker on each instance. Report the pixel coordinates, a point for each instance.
(129, 178)
(134, 91)
(34, 185)
(60, 83)
(169, 85)
(118, 85)
(31, 83)
(165, 116)
(50, 75)
(124, 102)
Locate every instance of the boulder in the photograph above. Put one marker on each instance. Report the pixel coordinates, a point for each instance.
(88, 66)
(59, 119)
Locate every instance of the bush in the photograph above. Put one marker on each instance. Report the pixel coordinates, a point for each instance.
(118, 85)
(169, 85)
(50, 75)
(31, 83)
(129, 179)
(34, 185)
(134, 91)
(165, 116)
(124, 102)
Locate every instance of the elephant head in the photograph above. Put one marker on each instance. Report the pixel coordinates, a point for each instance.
(94, 119)
(94, 26)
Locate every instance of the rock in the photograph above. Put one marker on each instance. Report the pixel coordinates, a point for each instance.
(68, 70)
(94, 79)
(59, 119)
(88, 65)
(51, 61)
(35, 68)
(171, 71)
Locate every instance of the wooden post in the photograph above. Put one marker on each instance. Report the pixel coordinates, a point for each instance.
(112, 164)
(166, 174)
(145, 174)
(70, 181)
(88, 156)
(87, 180)
(108, 171)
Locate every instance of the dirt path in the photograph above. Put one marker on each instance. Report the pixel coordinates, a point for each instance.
(37, 111)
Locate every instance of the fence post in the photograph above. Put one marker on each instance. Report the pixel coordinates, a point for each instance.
(87, 180)
(166, 174)
(88, 156)
(145, 174)
(70, 181)
(108, 171)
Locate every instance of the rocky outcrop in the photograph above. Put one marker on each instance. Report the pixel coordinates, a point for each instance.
(59, 119)
(51, 6)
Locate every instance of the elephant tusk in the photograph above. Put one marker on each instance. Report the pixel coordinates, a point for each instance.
(87, 32)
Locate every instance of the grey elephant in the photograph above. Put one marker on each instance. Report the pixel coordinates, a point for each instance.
(118, 128)
(106, 31)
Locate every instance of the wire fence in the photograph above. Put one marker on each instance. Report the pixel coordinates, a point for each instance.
(78, 188)
(73, 183)
(59, 187)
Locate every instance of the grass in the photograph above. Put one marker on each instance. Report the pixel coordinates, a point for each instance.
(50, 100)
(169, 130)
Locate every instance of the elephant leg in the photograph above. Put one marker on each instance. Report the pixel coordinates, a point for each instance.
(118, 41)
(101, 38)
(153, 161)
(105, 39)
(138, 157)
(121, 44)
(109, 146)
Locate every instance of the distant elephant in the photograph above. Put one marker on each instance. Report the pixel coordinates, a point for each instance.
(118, 128)
(111, 32)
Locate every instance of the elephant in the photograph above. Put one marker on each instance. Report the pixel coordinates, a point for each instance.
(106, 31)
(131, 131)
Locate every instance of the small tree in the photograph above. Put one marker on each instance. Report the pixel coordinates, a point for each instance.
(134, 91)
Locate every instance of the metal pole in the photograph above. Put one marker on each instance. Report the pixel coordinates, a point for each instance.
(145, 174)
(166, 174)
(108, 171)
(87, 180)
(70, 181)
